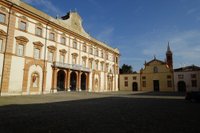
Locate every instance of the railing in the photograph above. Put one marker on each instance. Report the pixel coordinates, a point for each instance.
(71, 66)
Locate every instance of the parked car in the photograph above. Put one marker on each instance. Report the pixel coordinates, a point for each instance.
(193, 96)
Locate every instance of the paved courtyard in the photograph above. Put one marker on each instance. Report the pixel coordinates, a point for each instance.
(82, 112)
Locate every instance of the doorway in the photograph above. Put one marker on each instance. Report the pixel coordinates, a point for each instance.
(83, 82)
(61, 81)
(181, 86)
(73, 81)
(134, 86)
(156, 85)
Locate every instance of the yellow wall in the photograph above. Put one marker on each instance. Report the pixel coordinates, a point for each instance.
(162, 76)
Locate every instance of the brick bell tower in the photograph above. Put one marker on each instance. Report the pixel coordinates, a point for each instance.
(169, 57)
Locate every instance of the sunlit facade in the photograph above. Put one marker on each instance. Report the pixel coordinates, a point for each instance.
(41, 54)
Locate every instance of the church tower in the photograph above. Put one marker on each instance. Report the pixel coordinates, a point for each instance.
(169, 57)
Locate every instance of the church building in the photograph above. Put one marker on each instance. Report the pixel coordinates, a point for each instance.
(41, 54)
(157, 75)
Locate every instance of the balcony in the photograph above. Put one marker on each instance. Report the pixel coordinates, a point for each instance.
(71, 66)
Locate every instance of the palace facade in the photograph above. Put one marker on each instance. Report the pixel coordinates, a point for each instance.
(41, 54)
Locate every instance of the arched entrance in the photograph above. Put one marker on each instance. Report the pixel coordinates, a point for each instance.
(83, 82)
(134, 86)
(181, 86)
(73, 81)
(61, 81)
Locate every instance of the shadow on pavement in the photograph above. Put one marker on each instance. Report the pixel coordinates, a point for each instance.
(161, 94)
(110, 114)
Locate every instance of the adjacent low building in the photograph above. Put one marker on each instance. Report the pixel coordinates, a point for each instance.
(187, 78)
(41, 54)
(129, 82)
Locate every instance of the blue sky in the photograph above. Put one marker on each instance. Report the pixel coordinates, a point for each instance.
(140, 29)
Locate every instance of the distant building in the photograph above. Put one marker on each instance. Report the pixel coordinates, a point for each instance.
(187, 78)
(41, 54)
(129, 82)
(157, 75)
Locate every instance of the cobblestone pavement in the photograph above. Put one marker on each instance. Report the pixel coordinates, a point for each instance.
(82, 112)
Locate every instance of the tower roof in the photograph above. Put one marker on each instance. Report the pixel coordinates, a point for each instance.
(168, 49)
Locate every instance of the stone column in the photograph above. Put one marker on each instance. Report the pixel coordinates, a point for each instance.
(8, 54)
(88, 81)
(65, 84)
(77, 81)
(55, 72)
(25, 81)
(68, 79)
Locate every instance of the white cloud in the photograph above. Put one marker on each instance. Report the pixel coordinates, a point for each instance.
(191, 11)
(106, 35)
(184, 45)
(48, 6)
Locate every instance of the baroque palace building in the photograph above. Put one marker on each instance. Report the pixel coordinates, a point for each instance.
(41, 54)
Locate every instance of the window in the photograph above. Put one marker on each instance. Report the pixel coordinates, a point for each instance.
(143, 83)
(36, 53)
(63, 40)
(125, 78)
(1, 45)
(97, 65)
(73, 59)
(91, 50)
(193, 76)
(52, 36)
(50, 56)
(194, 83)
(169, 76)
(143, 77)
(180, 76)
(169, 83)
(84, 48)
(38, 31)
(75, 44)
(126, 83)
(84, 63)
(106, 56)
(2, 18)
(96, 52)
(134, 78)
(102, 66)
(101, 54)
(155, 69)
(116, 60)
(62, 58)
(20, 50)
(90, 64)
(22, 26)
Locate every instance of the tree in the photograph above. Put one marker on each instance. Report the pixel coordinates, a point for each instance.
(126, 69)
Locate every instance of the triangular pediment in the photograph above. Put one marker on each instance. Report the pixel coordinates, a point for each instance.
(2, 33)
(155, 62)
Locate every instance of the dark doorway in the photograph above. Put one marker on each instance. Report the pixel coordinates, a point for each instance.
(73, 81)
(156, 85)
(83, 82)
(181, 86)
(61, 80)
(134, 86)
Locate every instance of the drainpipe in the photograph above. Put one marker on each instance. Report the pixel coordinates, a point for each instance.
(45, 47)
(6, 44)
